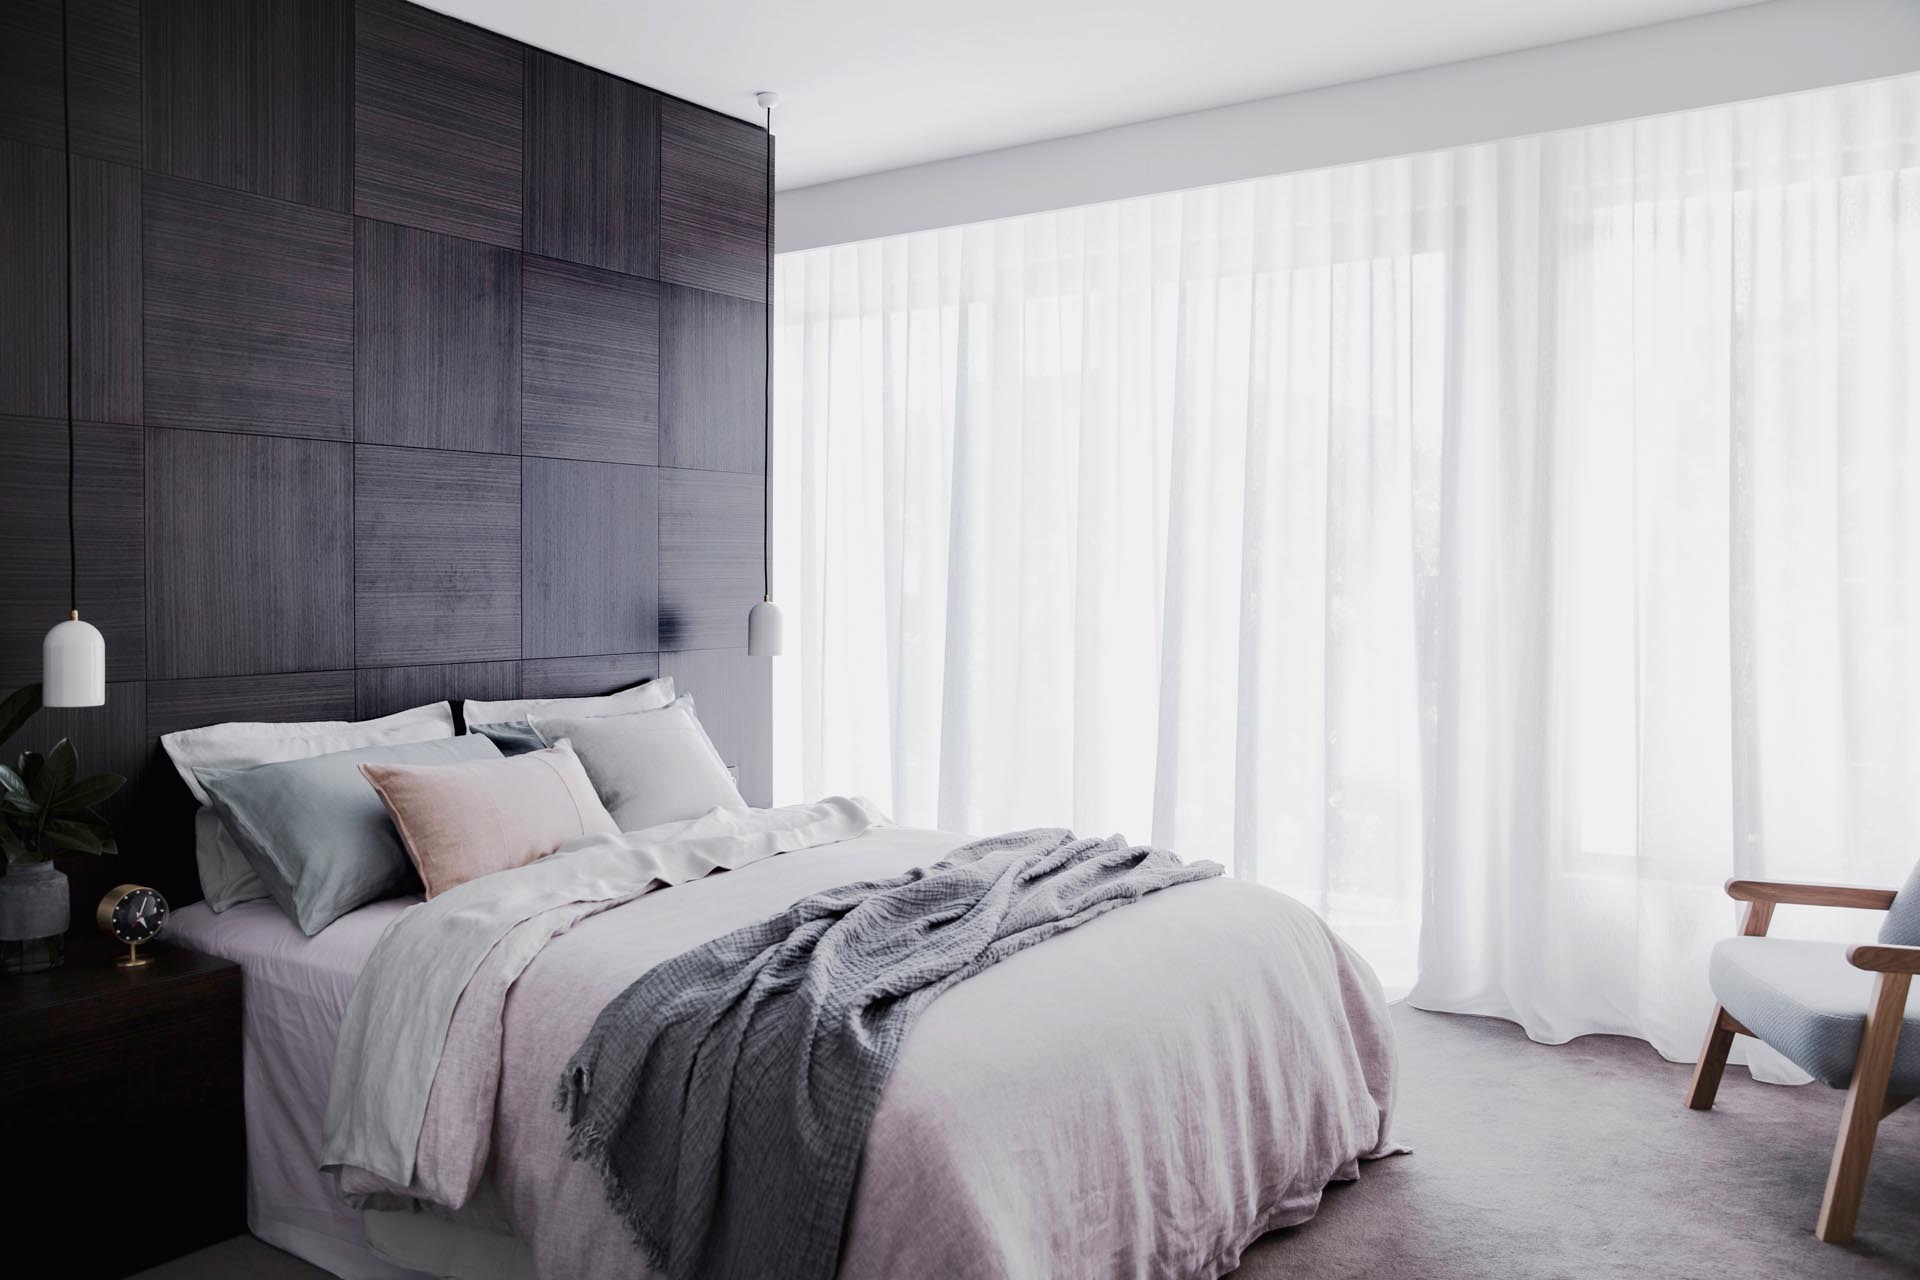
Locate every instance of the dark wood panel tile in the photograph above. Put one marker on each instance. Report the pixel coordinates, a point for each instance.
(713, 367)
(303, 695)
(713, 201)
(733, 695)
(252, 94)
(438, 341)
(106, 76)
(33, 337)
(588, 558)
(249, 554)
(436, 556)
(590, 384)
(108, 465)
(593, 167)
(249, 312)
(710, 572)
(385, 690)
(106, 291)
(586, 677)
(33, 297)
(437, 120)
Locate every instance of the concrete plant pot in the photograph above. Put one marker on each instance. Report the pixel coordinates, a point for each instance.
(33, 917)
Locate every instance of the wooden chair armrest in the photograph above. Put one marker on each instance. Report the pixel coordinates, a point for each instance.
(1811, 895)
(1884, 957)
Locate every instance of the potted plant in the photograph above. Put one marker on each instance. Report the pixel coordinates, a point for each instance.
(47, 809)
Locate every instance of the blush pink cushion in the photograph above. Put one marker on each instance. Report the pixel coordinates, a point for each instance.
(463, 821)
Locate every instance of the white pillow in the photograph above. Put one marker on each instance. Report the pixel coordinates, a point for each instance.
(650, 696)
(649, 767)
(225, 877)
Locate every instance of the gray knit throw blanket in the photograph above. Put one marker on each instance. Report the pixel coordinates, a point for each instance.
(725, 1096)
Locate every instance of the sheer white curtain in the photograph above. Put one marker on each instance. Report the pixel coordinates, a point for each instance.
(1495, 548)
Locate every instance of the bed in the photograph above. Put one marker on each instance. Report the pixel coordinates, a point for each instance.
(1144, 1095)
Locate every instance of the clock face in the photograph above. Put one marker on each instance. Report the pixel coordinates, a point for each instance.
(139, 915)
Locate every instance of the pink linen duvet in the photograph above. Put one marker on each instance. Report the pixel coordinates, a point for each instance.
(1140, 1097)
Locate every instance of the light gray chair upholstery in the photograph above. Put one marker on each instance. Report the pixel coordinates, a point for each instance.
(1805, 1000)
(1902, 925)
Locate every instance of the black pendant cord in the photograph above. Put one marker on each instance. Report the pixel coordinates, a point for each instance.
(66, 129)
(766, 456)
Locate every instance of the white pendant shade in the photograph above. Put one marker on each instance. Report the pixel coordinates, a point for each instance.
(73, 661)
(763, 630)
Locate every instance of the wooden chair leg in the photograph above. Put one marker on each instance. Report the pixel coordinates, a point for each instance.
(1720, 1032)
(1713, 1061)
(1866, 1103)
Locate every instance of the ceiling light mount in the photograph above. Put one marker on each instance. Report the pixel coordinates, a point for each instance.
(766, 99)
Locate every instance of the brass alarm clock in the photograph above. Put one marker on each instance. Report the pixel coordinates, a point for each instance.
(133, 914)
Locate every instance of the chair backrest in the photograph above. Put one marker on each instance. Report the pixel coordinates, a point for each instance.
(1902, 926)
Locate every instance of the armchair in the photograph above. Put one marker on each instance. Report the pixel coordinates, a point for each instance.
(1836, 1011)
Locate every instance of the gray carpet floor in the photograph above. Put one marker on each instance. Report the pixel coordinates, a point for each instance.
(1576, 1160)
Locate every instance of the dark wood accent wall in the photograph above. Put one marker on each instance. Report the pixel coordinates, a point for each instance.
(411, 363)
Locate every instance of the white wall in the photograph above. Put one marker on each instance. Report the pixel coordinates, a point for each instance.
(1735, 54)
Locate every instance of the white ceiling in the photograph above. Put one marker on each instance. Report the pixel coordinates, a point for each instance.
(878, 84)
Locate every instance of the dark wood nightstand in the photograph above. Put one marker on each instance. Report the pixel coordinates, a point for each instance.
(122, 1138)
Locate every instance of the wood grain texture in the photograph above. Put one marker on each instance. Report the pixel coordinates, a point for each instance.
(437, 112)
(733, 696)
(105, 66)
(593, 167)
(106, 292)
(436, 556)
(590, 386)
(710, 572)
(1885, 957)
(713, 198)
(91, 1051)
(385, 690)
(252, 94)
(586, 677)
(438, 341)
(249, 554)
(108, 466)
(713, 368)
(33, 313)
(173, 705)
(1861, 897)
(1866, 1103)
(248, 309)
(588, 558)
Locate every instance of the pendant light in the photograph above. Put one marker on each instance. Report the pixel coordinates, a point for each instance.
(763, 623)
(73, 658)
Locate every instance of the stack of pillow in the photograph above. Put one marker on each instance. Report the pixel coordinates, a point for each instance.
(326, 817)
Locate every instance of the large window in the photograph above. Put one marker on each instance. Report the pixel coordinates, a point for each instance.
(1494, 548)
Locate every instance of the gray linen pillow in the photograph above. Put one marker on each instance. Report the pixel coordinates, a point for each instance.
(317, 834)
(649, 767)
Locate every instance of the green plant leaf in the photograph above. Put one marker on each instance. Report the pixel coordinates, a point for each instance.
(63, 766)
(88, 792)
(11, 782)
(17, 709)
(29, 767)
(71, 836)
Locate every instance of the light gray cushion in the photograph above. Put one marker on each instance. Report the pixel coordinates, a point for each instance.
(1805, 1000)
(649, 767)
(317, 834)
(1902, 925)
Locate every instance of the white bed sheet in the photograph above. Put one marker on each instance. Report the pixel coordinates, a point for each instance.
(296, 990)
